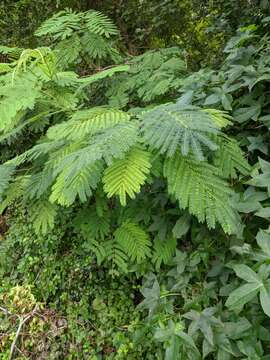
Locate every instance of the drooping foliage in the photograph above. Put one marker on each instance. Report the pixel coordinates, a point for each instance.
(138, 171)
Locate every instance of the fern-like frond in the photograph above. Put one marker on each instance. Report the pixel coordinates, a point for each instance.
(14, 100)
(11, 52)
(170, 128)
(162, 68)
(63, 24)
(6, 173)
(97, 48)
(88, 80)
(39, 183)
(87, 122)
(67, 54)
(219, 117)
(15, 190)
(126, 176)
(60, 25)
(117, 256)
(59, 153)
(99, 250)
(73, 182)
(134, 241)
(229, 158)
(100, 24)
(163, 251)
(109, 144)
(198, 187)
(91, 225)
(42, 214)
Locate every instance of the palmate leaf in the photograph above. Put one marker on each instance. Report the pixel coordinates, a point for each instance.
(134, 241)
(198, 187)
(169, 128)
(229, 158)
(87, 122)
(256, 283)
(126, 176)
(262, 179)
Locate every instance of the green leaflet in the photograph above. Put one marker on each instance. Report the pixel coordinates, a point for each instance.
(230, 159)
(43, 214)
(6, 173)
(74, 182)
(85, 123)
(134, 241)
(80, 34)
(126, 176)
(256, 283)
(262, 179)
(198, 187)
(169, 128)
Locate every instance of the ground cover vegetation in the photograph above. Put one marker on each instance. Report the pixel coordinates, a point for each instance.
(135, 183)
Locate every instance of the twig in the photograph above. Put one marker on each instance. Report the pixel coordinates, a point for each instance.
(23, 320)
(5, 311)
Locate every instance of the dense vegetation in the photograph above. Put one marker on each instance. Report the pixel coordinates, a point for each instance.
(135, 181)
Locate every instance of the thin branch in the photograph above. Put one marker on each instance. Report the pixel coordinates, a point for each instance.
(23, 320)
(6, 312)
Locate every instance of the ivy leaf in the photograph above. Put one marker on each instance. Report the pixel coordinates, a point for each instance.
(257, 143)
(152, 298)
(204, 322)
(243, 114)
(262, 179)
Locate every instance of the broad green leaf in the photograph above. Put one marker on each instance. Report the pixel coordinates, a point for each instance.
(243, 114)
(245, 293)
(173, 350)
(182, 226)
(262, 179)
(246, 273)
(263, 212)
(263, 240)
(265, 300)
